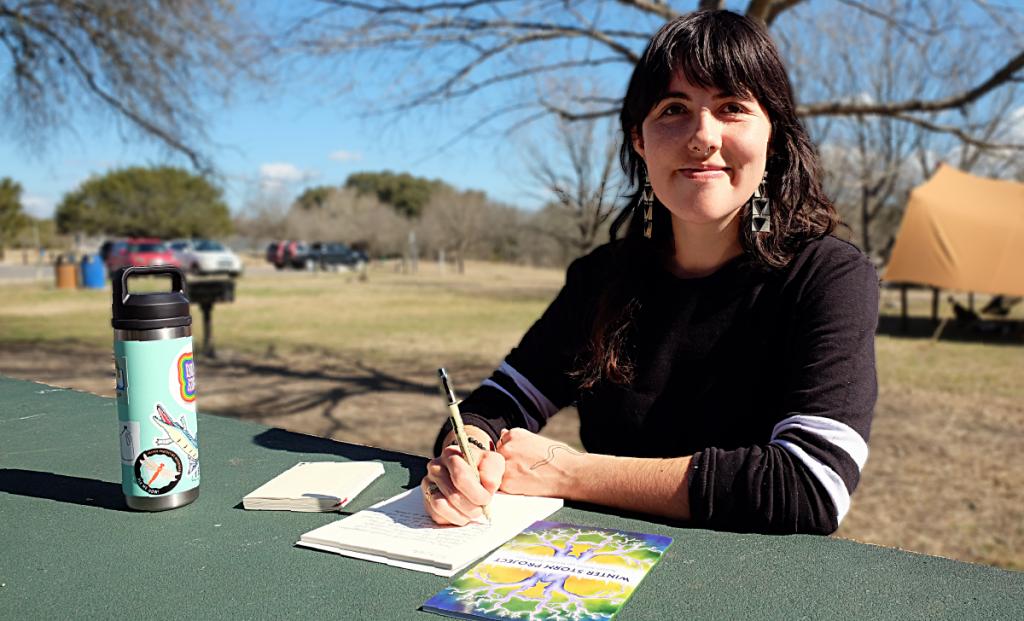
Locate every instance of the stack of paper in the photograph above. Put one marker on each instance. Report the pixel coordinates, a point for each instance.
(314, 486)
(399, 532)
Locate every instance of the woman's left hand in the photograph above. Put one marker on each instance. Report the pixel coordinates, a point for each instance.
(535, 465)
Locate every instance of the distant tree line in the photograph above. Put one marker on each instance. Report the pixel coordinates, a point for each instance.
(385, 213)
(12, 216)
(19, 229)
(161, 201)
(398, 215)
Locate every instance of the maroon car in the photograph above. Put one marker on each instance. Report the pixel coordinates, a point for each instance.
(140, 251)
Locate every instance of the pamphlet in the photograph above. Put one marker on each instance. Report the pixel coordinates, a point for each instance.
(555, 572)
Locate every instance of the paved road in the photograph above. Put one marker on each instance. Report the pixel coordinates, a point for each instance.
(9, 272)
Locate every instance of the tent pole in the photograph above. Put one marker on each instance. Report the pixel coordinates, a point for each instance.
(904, 323)
(935, 305)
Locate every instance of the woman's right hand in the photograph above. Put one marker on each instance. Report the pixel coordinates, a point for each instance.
(451, 492)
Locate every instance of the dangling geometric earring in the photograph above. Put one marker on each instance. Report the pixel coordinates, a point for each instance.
(647, 203)
(760, 209)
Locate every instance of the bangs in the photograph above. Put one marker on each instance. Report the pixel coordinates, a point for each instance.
(709, 64)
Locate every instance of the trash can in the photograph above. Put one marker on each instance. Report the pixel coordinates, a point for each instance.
(94, 274)
(67, 272)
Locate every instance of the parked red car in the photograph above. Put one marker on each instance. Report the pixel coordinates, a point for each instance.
(139, 251)
(287, 254)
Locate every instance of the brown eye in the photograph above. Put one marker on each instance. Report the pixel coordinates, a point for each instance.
(673, 110)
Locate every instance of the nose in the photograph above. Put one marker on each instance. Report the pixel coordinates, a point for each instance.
(707, 134)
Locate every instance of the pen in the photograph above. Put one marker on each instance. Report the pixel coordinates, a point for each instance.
(460, 431)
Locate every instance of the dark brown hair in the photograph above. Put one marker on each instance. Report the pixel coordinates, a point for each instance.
(730, 52)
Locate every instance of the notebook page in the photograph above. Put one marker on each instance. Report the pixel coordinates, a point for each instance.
(401, 530)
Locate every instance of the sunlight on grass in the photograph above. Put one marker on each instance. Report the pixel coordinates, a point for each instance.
(475, 317)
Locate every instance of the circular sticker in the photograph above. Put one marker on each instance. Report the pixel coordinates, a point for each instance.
(157, 470)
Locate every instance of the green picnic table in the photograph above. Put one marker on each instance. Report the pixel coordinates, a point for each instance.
(70, 548)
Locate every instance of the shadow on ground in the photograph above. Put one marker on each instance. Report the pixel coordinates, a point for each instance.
(397, 407)
(281, 440)
(63, 488)
(325, 389)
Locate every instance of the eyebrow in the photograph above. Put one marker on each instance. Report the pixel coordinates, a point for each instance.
(684, 96)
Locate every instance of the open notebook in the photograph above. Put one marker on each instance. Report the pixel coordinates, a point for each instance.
(399, 532)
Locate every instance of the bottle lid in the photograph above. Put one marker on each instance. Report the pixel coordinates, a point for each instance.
(150, 310)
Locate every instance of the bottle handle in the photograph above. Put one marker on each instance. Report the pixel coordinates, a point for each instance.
(178, 282)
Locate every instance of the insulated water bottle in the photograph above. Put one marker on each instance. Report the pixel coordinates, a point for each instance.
(155, 385)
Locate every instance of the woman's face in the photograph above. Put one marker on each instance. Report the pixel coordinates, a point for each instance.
(705, 151)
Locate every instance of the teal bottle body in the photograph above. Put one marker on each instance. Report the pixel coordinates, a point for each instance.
(155, 385)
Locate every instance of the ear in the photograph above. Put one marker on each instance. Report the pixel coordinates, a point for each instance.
(638, 142)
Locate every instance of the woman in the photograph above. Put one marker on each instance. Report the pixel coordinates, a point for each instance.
(721, 355)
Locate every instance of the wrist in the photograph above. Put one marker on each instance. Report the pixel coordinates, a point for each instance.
(585, 476)
(574, 479)
(475, 442)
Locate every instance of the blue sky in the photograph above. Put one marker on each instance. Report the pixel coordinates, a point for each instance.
(299, 134)
(278, 146)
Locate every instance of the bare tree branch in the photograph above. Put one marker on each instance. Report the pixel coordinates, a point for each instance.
(582, 177)
(658, 7)
(531, 72)
(905, 27)
(766, 11)
(90, 79)
(146, 62)
(567, 115)
(958, 132)
(1001, 76)
(711, 5)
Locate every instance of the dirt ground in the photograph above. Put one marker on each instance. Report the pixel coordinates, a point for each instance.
(955, 489)
(315, 394)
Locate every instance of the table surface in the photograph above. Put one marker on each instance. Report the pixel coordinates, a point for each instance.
(70, 547)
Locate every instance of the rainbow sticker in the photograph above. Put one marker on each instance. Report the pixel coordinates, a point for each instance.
(187, 377)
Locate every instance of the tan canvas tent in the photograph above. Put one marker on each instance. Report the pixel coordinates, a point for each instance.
(962, 232)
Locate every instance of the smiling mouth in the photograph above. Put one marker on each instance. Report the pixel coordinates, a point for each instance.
(707, 169)
(699, 174)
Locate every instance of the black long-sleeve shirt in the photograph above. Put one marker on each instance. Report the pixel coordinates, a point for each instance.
(766, 377)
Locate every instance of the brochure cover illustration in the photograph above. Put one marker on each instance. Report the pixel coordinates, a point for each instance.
(554, 572)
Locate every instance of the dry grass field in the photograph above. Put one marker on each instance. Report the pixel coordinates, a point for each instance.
(330, 355)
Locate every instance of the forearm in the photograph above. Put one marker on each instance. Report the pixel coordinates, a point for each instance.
(654, 486)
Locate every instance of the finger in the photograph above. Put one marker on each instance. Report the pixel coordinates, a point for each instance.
(492, 469)
(440, 510)
(459, 469)
(507, 447)
(428, 502)
(456, 499)
(464, 478)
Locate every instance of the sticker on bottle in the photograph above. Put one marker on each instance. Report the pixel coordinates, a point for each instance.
(121, 377)
(128, 434)
(182, 378)
(176, 433)
(157, 471)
